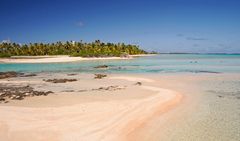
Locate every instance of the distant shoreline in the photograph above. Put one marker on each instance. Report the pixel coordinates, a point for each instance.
(203, 53)
(61, 58)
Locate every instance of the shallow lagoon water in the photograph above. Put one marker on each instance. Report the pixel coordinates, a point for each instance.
(164, 63)
(215, 115)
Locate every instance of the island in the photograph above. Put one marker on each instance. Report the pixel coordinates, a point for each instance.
(71, 48)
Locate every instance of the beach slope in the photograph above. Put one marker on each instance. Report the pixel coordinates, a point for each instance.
(110, 116)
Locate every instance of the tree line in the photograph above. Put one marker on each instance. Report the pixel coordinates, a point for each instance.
(83, 49)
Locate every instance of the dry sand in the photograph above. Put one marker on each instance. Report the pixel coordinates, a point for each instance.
(53, 59)
(89, 116)
(60, 58)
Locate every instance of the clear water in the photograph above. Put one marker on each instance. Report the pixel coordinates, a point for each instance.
(164, 63)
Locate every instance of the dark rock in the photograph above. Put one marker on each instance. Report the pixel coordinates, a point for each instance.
(59, 80)
(8, 74)
(138, 83)
(49, 92)
(101, 88)
(19, 92)
(68, 91)
(109, 88)
(71, 74)
(28, 75)
(2, 99)
(82, 90)
(101, 67)
(11, 74)
(99, 76)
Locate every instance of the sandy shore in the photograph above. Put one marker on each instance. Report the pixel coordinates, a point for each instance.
(60, 58)
(55, 59)
(143, 55)
(111, 115)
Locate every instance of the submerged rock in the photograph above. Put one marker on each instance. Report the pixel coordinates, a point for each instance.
(220, 96)
(202, 71)
(101, 67)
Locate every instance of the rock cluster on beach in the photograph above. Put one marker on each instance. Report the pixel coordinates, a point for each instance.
(11, 74)
(59, 80)
(100, 76)
(18, 93)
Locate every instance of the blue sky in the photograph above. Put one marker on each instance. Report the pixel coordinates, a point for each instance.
(204, 26)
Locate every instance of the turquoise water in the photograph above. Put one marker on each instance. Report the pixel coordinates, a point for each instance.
(164, 63)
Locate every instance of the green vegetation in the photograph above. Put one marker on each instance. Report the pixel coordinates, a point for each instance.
(94, 49)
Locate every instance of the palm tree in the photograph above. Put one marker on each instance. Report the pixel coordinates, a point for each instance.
(81, 48)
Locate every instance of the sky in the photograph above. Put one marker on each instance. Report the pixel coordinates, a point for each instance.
(193, 26)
